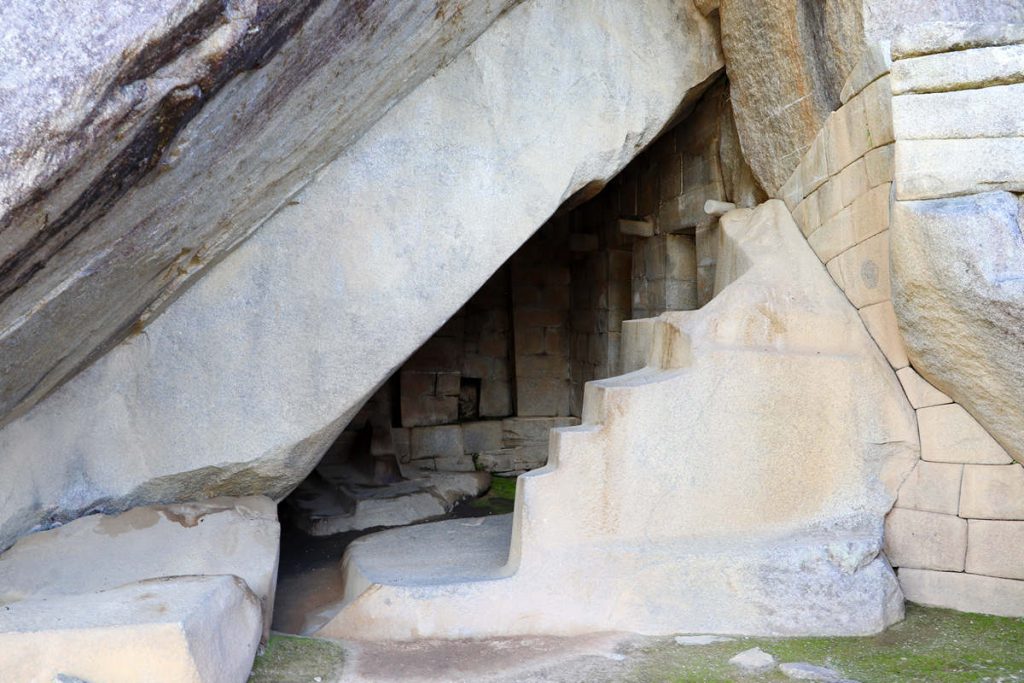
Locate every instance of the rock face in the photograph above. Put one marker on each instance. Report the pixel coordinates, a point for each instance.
(184, 629)
(237, 537)
(787, 62)
(244, 380)
(956, 249)
(748, 518)
(141, 140)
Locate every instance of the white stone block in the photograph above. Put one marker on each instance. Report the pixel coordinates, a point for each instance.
(932, 487)
(925, 540)
(992, 112)
(880, 319)
(992, 492)
(995, 548)
(878, 112)
(919, 391)
(963, 592)
(928, 169)
(199, 629)
(950, 434)
(848, 136)
(853, 181)
(863, 271)
(959, 70)
(238, 536)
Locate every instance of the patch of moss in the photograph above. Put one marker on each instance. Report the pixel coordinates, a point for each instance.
(930, 646)
(499, 499)
(288, 659)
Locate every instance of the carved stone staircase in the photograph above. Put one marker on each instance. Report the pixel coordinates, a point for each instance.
(735, 484)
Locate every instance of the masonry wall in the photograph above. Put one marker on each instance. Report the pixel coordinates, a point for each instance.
(956, 533)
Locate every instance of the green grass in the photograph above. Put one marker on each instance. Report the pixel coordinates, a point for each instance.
(290, 659)
(499, 499)
(930, 646)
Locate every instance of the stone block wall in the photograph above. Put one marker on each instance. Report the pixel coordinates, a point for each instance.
(956, 530)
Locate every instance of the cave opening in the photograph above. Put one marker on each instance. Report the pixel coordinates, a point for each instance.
(448, 433)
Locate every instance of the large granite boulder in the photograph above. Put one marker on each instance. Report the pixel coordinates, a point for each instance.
(958, 290)
(243, 381)
(140, 140)
(787, 62)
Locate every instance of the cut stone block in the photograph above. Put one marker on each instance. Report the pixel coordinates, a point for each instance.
(927, 38)
(878, 112)
(960, 70)
(932, 487)
(478, 437)
(848, 137)
(830, 200)
(927, 169)
(237, 536)
(853, 182)
(862, 271)
(880, 320)
(807, 216)
(436, 442)
(199, 629)
(992, 492)
(637, 228)
(920, 392)
(925, 540)
(873, 64)
(995, 548)
(879, 163)
(993, 112)
(950, 434)
(963, 592)
(867, 216)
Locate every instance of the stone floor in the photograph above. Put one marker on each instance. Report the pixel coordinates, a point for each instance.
(930, 646)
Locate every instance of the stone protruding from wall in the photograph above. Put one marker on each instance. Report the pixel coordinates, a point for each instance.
(244, 380)
(631, 526)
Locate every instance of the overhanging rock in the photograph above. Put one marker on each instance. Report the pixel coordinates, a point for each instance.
(239, 386)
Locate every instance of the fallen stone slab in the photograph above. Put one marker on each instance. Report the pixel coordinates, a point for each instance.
(238, 536)
(183, 629)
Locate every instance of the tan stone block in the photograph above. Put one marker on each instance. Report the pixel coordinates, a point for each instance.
(878, 112)
(867, 216)
(792, 191)
(863, 271)
(925, 540)
(919, 391)
(853, 182)
(638, 228)
(992, 492)
(880, 319)
(880, 164)
(830, 201)
(873, 64)
(932, 487)
(834, 236)
(813, 169)
(806, 215)
(950, 434)
(964, 592)
(995, 548)
(848, 137)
